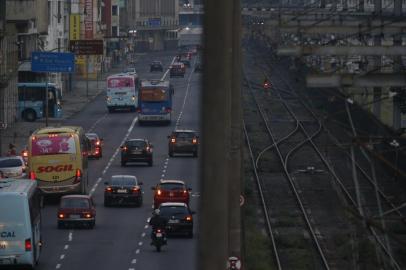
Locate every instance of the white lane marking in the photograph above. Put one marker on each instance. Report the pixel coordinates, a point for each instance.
(93, 189)
(58, 266)
(165, 166)
(164, 171)
(62, 257)
(148, 219)
(97, 122)
(70, 237)
(66, 247)
(184, 99)
(131, 268)
(166, 72)
(95, 186)
(143, 234)
(140, 243)
(163, 175)
(146, 226)
(137, 251)
(134, 261)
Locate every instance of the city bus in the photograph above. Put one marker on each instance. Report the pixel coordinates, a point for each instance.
(32, 100)
(154, 102)
(20, 223)
(57, 159)
(122, 91)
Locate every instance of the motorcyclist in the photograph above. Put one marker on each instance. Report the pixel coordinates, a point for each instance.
(157, 222)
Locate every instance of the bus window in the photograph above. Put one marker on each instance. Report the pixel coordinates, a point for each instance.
(53, 145)
(153, 95)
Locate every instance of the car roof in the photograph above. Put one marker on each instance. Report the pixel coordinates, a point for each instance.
(178, 204)
(184, 130)
(136, 140)
(12, 157)
(172, 182)
(79, 196)
(156, 61)
(91, 134)
(124, 176)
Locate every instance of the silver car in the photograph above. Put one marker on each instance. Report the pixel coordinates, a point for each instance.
(12, 167)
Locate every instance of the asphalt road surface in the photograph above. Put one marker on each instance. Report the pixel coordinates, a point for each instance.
(121, 237)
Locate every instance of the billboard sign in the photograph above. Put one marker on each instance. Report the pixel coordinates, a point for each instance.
(88, 19)
(86, 47)
(74, 29)
(52, 62)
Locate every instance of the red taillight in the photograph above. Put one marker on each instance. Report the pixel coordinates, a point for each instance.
(185, 192)
(97, 142)
(194, 141)
(97, 151)
(189, 218)
(135, 189)
(61, 215)
(158, 230)
(24, 153)
(173, 140)
(87, 215)
(28, 245)
(125, 148)
(168, 110)
(78, 176)
(138, 110)
(109, 189)
(33, 176)
(158, 192)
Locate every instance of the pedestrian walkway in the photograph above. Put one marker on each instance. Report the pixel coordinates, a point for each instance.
(72, 103)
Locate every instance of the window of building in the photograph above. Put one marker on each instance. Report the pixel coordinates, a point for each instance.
(114, 31)
(114, 10)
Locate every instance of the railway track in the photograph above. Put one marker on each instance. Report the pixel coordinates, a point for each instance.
(288, 161)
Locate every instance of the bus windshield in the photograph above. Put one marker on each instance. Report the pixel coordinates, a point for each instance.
(154, 95)
(53, 145)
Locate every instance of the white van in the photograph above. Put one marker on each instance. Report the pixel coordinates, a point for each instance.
(20, 222)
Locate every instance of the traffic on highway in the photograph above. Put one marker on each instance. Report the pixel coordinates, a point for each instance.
(116, 185)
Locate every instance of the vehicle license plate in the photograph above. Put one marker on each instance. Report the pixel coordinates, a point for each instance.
(121, 191)
(137, 152)
(172, 221)
(74, 216)
(159, 234)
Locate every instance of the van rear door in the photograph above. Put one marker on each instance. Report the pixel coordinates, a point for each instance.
(14, 227)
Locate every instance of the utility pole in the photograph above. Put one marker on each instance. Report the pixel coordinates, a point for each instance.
(213, 248)
(376, 109)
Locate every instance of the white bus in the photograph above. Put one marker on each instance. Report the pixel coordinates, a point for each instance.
(20, 222)
(122, 91)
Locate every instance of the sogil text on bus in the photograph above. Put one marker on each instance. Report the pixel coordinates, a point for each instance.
(122, 91)
(57, 159)
(32, 100)
(155, 102)
(20, 223)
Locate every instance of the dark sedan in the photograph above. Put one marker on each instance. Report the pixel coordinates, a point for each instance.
(123, 189)
(156, 66)
(180, 219)
(136, 150)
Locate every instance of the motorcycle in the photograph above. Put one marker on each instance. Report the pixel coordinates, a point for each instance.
(158, 239)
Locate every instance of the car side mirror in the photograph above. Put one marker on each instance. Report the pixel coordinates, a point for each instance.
(189, 189)
(121, 147)
(106, 183)
(153, 188)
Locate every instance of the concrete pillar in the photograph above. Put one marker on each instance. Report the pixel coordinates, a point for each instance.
(378, 6)
(235, 156)
(213, 247)
(361, 6)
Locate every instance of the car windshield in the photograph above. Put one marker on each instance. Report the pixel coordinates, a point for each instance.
(185, 135)
(139, 144)
(75, 203)
(123, 181)
(171, 186)
(91, 136)
(168, 211)
(12, 162)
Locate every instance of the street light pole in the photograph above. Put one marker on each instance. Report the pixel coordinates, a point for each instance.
(87, 76)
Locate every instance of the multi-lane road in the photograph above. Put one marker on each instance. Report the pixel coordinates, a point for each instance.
(121, 237)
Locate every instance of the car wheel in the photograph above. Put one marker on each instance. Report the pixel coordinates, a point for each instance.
(29, 115)
(170, 154)
(190, 234)
(123, 163)
(61, 225)
(106, 203)
(140, 123)
(150, 163)
(111, 110)
(139, 202)
(92, 224)
(195, 154)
